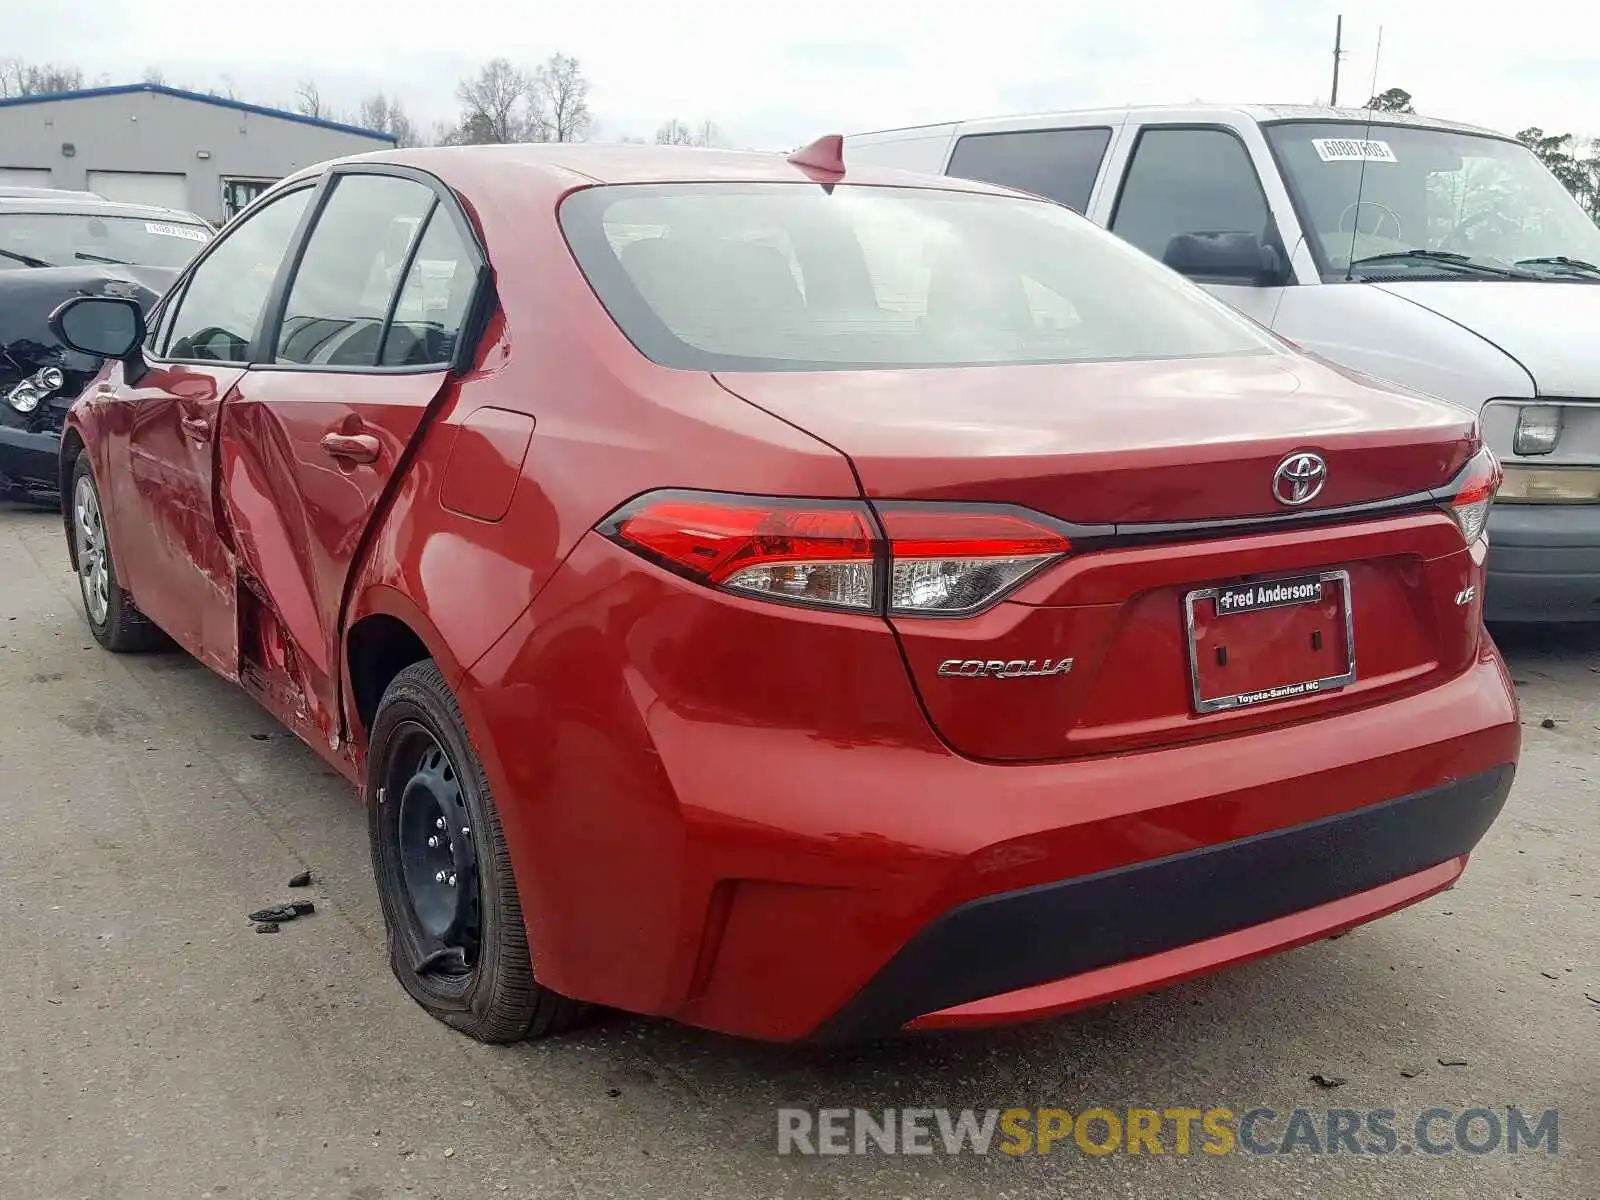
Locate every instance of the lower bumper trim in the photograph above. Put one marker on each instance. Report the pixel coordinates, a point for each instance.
(1017, 940)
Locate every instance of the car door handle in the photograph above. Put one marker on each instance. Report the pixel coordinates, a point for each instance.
(196, 427)
(354, 447)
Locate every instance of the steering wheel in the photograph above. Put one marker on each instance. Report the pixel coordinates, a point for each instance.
(1383, 211)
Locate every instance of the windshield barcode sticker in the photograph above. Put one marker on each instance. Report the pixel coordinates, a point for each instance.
(1352, 150)
(165, 229)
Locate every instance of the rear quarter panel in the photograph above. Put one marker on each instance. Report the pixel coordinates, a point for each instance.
(606, 425)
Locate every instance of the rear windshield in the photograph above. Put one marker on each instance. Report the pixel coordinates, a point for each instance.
(775, 277)
(72, 239)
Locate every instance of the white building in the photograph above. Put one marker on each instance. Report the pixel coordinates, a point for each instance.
(146, 143)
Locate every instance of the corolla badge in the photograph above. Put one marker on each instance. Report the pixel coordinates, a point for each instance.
(1299, 478)
(1000, 668)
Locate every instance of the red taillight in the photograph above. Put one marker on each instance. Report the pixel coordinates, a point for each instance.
(812, 552)
(950, 562)
(1475, 494)
(942, 560)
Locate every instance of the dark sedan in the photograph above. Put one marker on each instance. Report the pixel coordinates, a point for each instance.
(53, 246)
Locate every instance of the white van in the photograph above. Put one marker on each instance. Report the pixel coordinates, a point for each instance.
(1441, 256)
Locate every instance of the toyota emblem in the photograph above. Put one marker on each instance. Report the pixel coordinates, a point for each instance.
(1299, 478)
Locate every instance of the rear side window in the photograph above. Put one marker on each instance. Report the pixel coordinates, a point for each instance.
(1060, 164)
(432, 306)
(339, 301)
(1188, 181)
(776, 276)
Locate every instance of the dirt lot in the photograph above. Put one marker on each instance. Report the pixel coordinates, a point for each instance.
(156, 1047)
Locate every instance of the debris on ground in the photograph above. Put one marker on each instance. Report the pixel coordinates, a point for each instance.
(1328, 1081)
(267, 927)
(1411, 1072)
(1548, 723)
(1452, 1062)
(301, 880)
(278, 912)
(1549, 974)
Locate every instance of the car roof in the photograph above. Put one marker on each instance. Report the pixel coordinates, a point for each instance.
(1197, 113)
(12, 190)
(576, 164)
(86, 204)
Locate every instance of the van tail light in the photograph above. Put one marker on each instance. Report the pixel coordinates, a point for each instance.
(1475, 492)
(952, 562)
(921, 560)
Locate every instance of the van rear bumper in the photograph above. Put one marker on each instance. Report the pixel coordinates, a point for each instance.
(1544, 563)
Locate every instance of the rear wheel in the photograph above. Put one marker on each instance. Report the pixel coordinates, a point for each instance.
(114, 619)
(457, 941)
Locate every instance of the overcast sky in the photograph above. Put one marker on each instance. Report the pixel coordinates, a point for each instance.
(776, 75)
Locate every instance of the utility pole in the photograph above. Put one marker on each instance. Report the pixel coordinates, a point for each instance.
(1338, 53)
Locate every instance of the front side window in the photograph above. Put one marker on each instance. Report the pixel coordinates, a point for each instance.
(1060, 164)
(1438, 191)
(796, 277)
(1188, 181)
(217, 315)
(73, 239)
(339, 300)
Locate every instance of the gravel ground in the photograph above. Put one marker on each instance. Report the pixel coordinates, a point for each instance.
(157, 1047)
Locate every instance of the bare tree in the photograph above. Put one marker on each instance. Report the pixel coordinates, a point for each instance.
(491, 101)
(558, 101)
(678, 133)
(308, 99)
(386, 116)
(155, 75)
(18, 78)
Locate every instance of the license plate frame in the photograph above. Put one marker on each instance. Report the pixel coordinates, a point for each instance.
(1289, 690)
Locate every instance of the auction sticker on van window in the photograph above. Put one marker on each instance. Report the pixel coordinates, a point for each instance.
(1250, 597)
(166, 229)
(1352, 150)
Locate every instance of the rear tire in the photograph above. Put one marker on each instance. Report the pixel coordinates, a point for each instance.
(114, 619)
(457, 941)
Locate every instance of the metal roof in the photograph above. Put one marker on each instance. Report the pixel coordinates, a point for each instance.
(161, 89)
(578, 163)
(1198, 111)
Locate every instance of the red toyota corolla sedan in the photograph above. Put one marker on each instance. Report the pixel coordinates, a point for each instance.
(799, 601)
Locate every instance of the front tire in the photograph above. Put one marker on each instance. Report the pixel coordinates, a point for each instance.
(114, 619)
(457, 941)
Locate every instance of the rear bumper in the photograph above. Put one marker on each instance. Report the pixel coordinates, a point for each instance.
(1544, 563)
(1118, 930)
(30, 459)
(770, 841)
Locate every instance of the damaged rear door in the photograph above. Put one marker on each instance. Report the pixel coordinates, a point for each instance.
(359, 348)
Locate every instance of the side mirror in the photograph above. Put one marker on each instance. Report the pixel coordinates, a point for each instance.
(104, 326)
(1227, 258)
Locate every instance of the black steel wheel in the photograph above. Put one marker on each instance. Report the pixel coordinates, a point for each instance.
(457, 941)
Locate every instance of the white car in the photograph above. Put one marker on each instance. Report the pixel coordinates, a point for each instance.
(1440, 256)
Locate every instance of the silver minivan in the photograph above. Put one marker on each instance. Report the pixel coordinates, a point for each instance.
(1441, 256)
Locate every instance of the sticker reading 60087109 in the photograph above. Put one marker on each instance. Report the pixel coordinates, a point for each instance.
(1352, 150)
(167, 229)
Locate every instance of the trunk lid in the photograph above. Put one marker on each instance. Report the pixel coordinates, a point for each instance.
(1116, 445)
(1104, 443)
